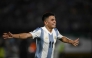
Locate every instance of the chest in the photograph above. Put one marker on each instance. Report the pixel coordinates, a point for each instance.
(49, 37)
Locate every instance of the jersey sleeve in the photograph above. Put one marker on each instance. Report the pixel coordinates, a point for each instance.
(59, 35)
(36, 33)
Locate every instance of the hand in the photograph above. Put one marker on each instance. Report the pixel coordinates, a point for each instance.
(7, 35)
(76, 42)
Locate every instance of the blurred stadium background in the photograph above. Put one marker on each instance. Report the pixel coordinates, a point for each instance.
(74, 20)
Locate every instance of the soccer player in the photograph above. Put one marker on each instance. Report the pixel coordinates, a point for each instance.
(46, 37)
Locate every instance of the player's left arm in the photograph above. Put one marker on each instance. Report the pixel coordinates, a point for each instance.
(67, 40)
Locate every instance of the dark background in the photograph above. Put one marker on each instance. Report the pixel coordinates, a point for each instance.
(74, 17)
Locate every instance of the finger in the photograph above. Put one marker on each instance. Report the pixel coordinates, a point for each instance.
(5, 37)
(5, 33)
(77, 39)
(10, 34)
(76, 44)
(2, 35)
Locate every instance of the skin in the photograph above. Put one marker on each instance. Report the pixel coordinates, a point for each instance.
(49, 23)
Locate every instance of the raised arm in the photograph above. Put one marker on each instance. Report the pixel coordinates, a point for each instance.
(20, 36)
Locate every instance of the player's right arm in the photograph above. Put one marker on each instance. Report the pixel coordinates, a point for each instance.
(20, 36)
(34, 34)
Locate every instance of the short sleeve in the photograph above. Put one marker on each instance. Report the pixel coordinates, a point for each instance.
(59, 35)
(36, 33)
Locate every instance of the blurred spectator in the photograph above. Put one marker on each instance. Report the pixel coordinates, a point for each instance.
(11, 48)
(2, 49)
(32, 49)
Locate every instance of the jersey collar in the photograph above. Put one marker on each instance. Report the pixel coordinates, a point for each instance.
(47, 30)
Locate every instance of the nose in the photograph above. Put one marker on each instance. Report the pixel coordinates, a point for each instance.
(54, 21)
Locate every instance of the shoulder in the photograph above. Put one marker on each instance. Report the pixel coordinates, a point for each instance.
(55, 29)
(43, 28)
(37, 29)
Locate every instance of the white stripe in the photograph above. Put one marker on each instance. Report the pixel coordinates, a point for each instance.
(45, 45)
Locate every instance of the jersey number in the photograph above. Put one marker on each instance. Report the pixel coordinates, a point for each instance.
(51, 44)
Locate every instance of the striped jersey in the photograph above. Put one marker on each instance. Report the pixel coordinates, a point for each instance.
(45, 41)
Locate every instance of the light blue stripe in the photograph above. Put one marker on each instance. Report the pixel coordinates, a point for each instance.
(37, 29)
(51, 41)
(37, 49)
(42, 36)
(39, 44)
(56, 31)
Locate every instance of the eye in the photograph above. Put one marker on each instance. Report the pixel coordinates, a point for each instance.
(52, 19)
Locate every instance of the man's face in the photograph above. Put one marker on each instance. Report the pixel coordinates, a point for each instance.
(51, 22)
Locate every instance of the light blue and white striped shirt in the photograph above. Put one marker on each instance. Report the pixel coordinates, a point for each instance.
(45, 42)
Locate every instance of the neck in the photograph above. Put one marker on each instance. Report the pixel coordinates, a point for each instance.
(49, 29)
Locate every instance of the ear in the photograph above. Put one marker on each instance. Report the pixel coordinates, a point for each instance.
(45, 22)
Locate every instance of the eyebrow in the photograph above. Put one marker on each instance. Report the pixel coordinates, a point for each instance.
(54, 19)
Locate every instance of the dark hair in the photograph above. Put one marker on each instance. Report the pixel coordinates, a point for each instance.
(46, 15)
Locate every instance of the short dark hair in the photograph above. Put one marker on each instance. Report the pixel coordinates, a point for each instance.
(46, 15)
